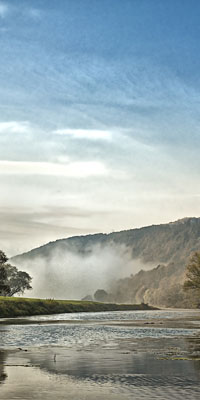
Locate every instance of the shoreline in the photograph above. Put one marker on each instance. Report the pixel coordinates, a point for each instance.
(12, 307)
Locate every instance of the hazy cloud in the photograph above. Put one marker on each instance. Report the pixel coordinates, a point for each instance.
(34, 13)
(90, 134)
(14, 127)
(72, 169)
(4, 9)
(68, 274)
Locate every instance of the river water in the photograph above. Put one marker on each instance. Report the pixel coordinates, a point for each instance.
(110, 355)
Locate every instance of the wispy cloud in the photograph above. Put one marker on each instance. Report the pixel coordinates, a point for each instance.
(119, 109)
(89, 134)
(4, 9)
(70, 170)
(34, 13)
(14, 127)
(31, 12)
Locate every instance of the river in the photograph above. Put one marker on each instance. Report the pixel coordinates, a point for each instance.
(108, 355)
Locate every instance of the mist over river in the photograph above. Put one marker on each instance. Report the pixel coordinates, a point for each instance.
(107, 355)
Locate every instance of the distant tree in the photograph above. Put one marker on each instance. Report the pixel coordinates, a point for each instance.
(88, 298)
(12, 281)
(193, 276)
(101, 295)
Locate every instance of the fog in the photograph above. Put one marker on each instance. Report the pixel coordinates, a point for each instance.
(70, 275)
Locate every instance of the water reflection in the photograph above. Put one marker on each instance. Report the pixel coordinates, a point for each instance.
(140, 362)
(3, 375)
(113, 316)
(99, 361)
(193, 344)
(123, 369)
(130, 369)
(79, 335)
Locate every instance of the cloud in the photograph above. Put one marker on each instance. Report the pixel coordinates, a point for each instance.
(3, 10)
(70, 272)
(34, 13)
(33, 226)
(47, 218)
(14, 127)
(80, 169)
(89, 134)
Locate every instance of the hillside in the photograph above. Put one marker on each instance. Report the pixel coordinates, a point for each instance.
(157, 243)
(166, 245)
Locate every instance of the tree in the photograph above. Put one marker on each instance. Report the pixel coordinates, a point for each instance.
(101, 295)
(192, 283)
(193, 273)
(3, 258)
(18, 281)
(12, 281)
(4, 288)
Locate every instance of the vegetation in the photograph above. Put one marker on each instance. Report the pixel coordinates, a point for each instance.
(193, 273)
(101, 295)
(12, 281)
(193, 277)
(20, 307)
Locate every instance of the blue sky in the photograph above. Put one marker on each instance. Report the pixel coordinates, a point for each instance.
(99, 116)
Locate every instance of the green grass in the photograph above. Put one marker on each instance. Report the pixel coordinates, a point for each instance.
(11, 307)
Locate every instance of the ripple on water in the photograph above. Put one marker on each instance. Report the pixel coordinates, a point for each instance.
(100, 361)
(79, 334)
(116, 315)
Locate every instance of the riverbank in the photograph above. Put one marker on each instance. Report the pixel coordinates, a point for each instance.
(11, 307)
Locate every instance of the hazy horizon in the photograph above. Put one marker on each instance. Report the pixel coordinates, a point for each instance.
(99, 117)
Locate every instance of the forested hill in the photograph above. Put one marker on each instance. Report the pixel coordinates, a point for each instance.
(172, 242)
(162, 250)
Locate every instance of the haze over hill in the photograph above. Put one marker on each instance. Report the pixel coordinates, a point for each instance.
(77, 266)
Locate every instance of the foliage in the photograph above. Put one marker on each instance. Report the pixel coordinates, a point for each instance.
(3, 258)
(101, 295)
(192, 284)
(193, 273)
(4, 288)
(12, 281)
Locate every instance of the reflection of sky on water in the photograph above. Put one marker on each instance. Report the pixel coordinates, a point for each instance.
(94, 360)
(78, 334)
(115, 315)
(2, 371)
(122, 370)
(155, 359)
(90, 329)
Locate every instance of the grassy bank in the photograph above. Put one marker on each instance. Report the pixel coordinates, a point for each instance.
(11, 307)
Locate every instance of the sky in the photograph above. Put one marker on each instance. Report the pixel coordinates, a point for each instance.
(99, 117)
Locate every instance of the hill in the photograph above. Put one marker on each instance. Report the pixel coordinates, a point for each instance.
(165, 247)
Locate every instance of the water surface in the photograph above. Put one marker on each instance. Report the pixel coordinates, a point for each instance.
(101, 356)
